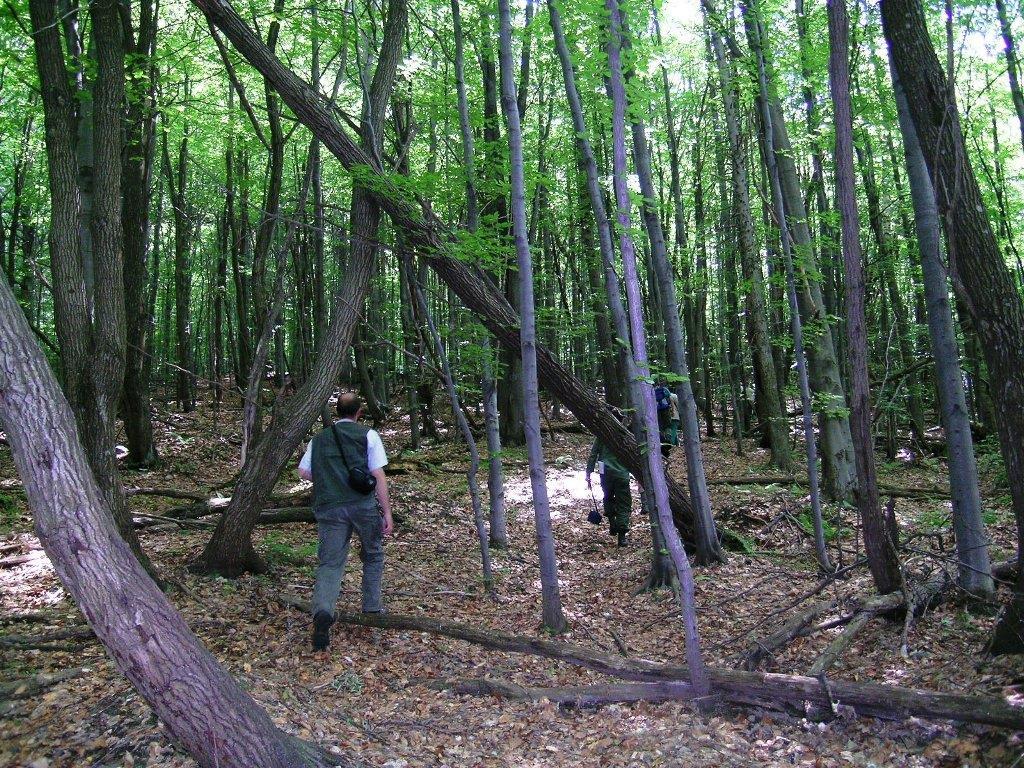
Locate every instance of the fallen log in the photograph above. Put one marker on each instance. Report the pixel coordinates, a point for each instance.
(737, 686)
(569, 695)
(168, 493)
(765, 647)
(919, 594)
(899, 492)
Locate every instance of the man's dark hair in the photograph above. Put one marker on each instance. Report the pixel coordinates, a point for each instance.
(349, 404)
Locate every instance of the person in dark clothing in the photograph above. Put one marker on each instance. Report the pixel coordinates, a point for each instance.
(341, 509)
(618, 499)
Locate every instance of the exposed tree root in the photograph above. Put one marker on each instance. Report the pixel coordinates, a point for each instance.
(803, 693)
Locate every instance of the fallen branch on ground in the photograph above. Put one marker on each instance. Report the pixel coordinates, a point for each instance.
(570, 695)
(736, 686)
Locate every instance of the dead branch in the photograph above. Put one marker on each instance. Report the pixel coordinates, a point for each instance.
(570, 695)
(736, 686)
(765, 647)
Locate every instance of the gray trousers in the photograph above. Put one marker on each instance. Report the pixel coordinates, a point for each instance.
(334, 527)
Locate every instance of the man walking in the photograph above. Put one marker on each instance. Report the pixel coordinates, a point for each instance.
(340, 461)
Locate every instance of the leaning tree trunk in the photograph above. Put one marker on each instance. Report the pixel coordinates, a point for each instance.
(980, 275)
(230, 550)
(975, 570)
(880, 535)
(145, 636)
(553, 618)
(427, 232)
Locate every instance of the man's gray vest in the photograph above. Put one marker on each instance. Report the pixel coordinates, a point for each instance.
(330, 478)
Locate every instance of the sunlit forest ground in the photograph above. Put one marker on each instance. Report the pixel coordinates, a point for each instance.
(371, 697)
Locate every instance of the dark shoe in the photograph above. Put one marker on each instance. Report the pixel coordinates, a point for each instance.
(622, 539)
(322, 630)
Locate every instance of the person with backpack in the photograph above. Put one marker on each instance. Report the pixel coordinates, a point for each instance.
(350, 494)
(663, 400)
(617, 496)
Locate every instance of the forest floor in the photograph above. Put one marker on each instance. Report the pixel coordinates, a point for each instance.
(367, 697)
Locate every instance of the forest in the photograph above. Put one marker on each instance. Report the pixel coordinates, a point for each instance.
(760, 261)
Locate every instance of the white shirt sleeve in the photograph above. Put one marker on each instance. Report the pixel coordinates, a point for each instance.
(376, 457)
(306, 463)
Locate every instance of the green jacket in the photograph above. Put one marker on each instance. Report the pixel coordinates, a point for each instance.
(612, 465)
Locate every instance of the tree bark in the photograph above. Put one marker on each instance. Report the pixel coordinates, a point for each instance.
(980, 275)
(879, 531)
(145, 636)
(552, 617)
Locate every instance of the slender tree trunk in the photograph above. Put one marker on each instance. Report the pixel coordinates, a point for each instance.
(1012, 65)
(464, 430)
(495, 475)
(979, 273)
(553, 618)
(659, 563)
(770, 408)
(880, 534)
(137, 182)
(646, 408)
(810, 446)
(675, 343)
(886, 257)
(971, 538)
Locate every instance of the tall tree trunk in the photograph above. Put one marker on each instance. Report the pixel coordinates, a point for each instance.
(177, 184)
(660, 573)
(824, 564)
(823, 362)
(980, 275)
(770, 408)
(646, 408)
(1012, 65)
(495, 475)
(886, 257)
(879, 530)
(968, 525)
(675, 343)
(137, 182)
(90, 330)
(552, 616)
